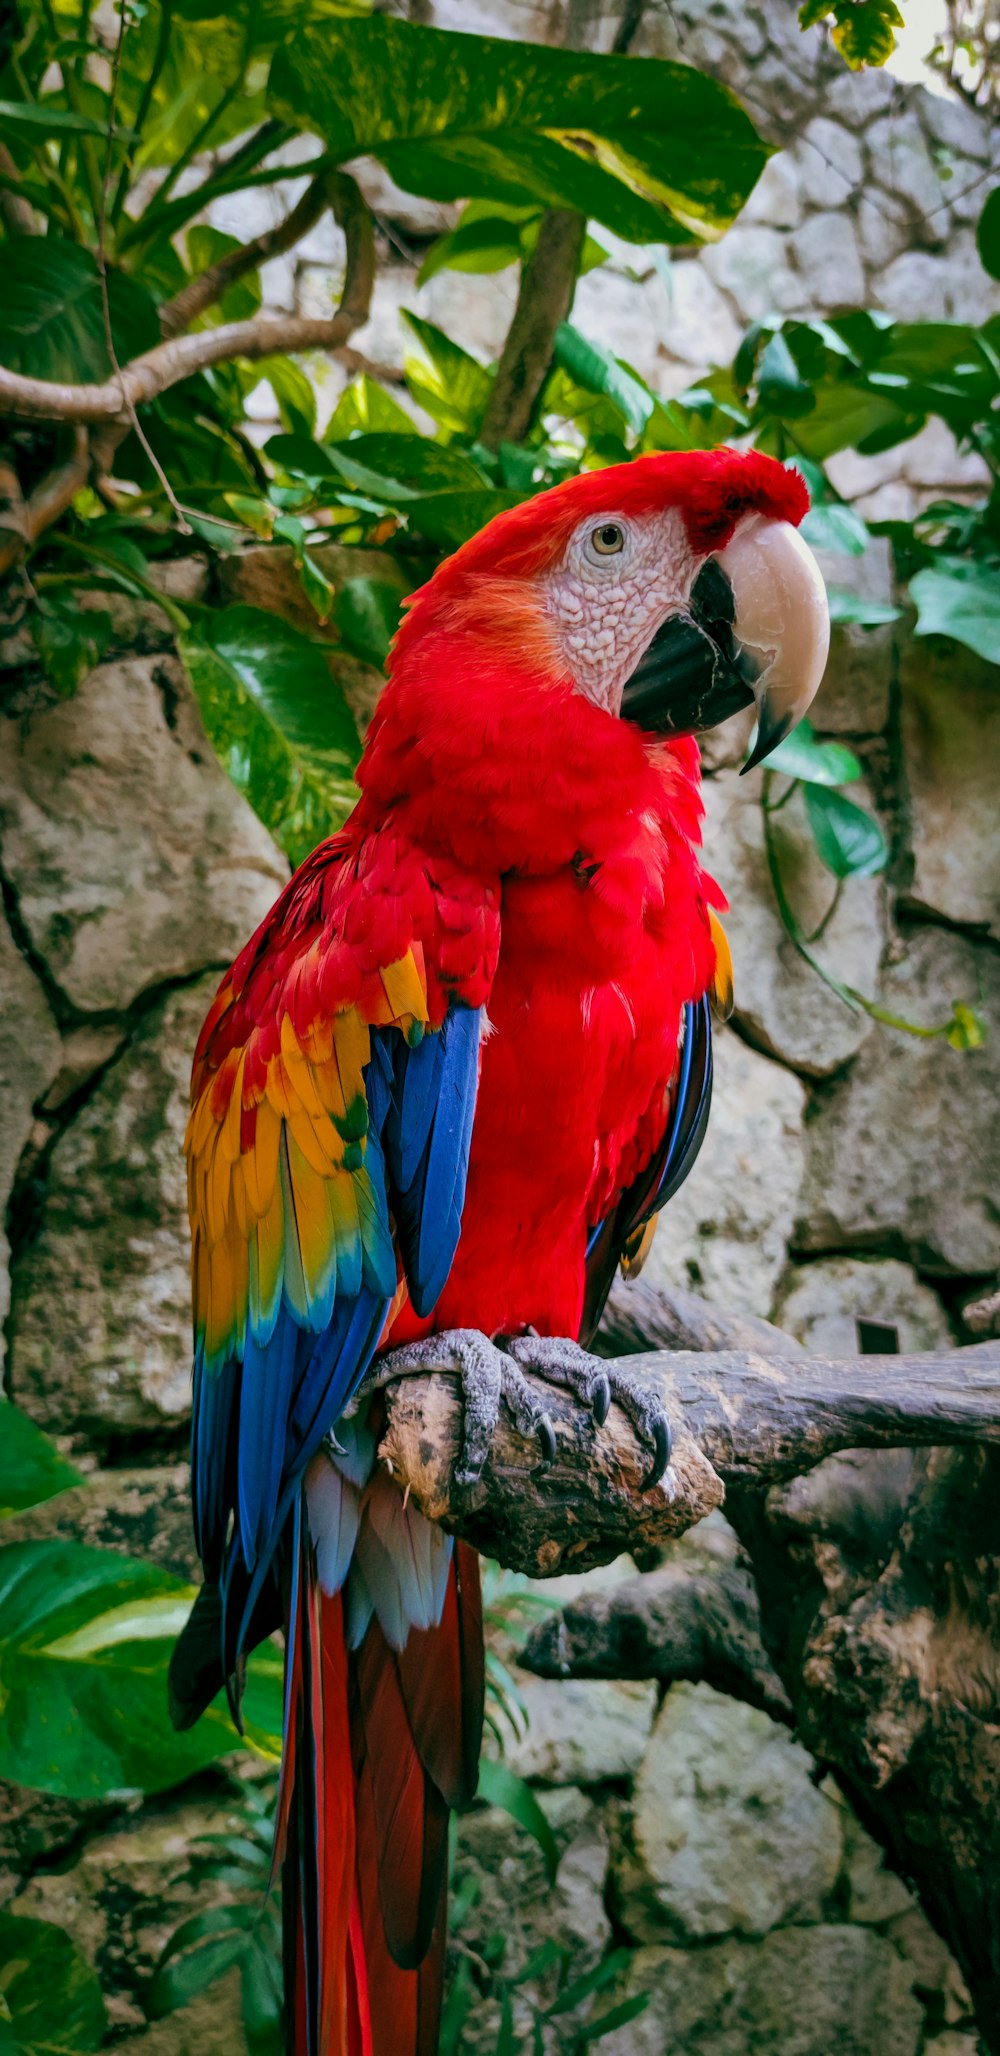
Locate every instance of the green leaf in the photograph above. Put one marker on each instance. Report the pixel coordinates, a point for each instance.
(40, 119)
(367, 615)
(594, 1980)
(829, 526)
(85, 1639)
(849, 609)
(449, 519)
(52, 312)
(862, 29)
(849, 842)
(656, 151)
(406, 464)
(987, 234)
(277, 719)
(69, 639)
(961, 602)
(966, 1030)
(186, 1977)
(241, 300)
(476, 246)
(780, 386)
(598, 371)
(31, 1468)
(452, 386)
(618, 2016)
(802, 755)
(500, 1786)
(366, 406)
(51, 1995)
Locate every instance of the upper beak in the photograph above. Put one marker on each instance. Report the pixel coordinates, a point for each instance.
(757, 629)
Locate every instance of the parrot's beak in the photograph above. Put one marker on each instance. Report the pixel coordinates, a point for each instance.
(756, 631)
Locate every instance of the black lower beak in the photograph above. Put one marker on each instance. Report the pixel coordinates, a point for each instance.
(694, 673)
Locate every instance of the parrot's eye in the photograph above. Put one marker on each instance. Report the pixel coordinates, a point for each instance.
(608, 539)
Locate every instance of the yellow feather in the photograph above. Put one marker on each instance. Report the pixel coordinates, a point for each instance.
(260, 1164)
(202, 1123)
(637, 1249)
(350, 1033)
(329, 1087)
(404, 988)
(230, 1141)
(217, 1192)
(319, 1142)
(722, 982)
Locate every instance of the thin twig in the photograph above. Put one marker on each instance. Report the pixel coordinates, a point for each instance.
(544, 299)
(41, 399)
(177, 314)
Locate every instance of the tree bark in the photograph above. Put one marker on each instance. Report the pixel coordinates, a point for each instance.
(544, 299)
(738, 1419)
(877, 1571)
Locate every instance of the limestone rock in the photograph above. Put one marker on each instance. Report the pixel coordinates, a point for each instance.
(802, 1991)
(819, 1304)
(853, 699)
(29, 1060)
(775, 199)
(876, 1893)
(954, 124)
(951, 745)
(580, 1732)
(500, 1868)
(144, 1513)
(730, 1834)
(101, 1315)
(132, 858)
(903, 167)
(828, 163)
(954, 284)
(827, 256)
(727, 1229)
(699, 326)
(751, 265)
(780, 1003)
(903, 1152)
(212, 2025)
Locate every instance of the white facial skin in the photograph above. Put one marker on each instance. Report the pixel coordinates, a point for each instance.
(608, 602)
(621, 577)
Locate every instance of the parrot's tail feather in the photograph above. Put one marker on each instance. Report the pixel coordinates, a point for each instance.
(379, 1745)
(325, 1990)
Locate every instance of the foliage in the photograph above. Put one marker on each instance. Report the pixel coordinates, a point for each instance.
(244, 1932)
(863, 30)
(85, 1640)
(480, 1975)
(50, 1999)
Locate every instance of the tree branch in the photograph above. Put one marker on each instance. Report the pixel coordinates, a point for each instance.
(690, 1619)
(544, 299)
(738, 1417)
(170, 362)
(49, 500)
(177, 314)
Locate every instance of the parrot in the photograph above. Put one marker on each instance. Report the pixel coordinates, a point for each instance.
(439, 1098)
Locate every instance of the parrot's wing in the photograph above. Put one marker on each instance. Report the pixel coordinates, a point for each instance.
(333, 1096)
(623, 1238)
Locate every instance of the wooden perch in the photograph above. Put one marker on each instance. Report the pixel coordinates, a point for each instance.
(739, 1417)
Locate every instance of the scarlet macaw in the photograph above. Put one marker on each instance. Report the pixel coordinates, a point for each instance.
(441, 1091)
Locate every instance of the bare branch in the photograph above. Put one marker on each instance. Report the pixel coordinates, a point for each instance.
(49, 500)
(689, 1619)
(177, 314)
(170, 362)
(544, 299)
(738, 1417)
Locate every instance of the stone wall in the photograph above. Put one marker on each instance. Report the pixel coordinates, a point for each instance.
(849, 1169)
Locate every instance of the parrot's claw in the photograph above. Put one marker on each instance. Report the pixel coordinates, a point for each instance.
(488, 1375)
(491, 1374)
(597, 1383)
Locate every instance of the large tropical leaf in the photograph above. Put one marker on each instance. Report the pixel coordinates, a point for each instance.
(960, 598)
(50, 1999)
(31, 1468)
(279, 723)
(85, 1640)
(655, 151)
(52, 312)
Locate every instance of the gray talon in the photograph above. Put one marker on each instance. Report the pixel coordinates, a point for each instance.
(601, 1400)
(662, 1442)
(547, 1437)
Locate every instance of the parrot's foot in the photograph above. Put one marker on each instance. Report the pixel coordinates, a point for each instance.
(490, 1373)
(597, 1383)
(488, 1376)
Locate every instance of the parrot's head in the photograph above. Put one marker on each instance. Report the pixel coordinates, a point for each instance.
(669, 592)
